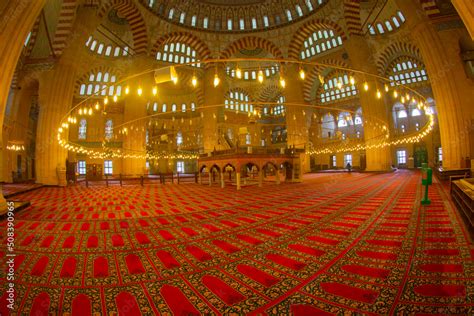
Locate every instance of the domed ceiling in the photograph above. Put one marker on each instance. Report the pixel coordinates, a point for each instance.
(233, 15)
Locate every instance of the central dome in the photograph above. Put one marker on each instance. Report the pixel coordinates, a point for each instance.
(233, 15)
(231, 2)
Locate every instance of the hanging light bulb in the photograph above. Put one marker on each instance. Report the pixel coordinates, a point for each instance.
(80, 111)
(127, 90)
(321, 79)
(395, 94)
(379, 94)
(238, 73)
(282, 82)
(139, 91)
(194, 81)
(115, 98)
(216, 80)
(155, 91)
(302, 74)
(386, 87)
(402, 99)
(97, 106)
(352, 80)
(339, 84)
(106, 100)
(260, 76)
(175, 79)
(366, 86)
(90, 111)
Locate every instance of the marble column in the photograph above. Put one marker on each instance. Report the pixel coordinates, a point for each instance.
(374, 110)
(453, 93)
(56, 89)
(298, 118)
(56, 92)
(465, 9)
(17, 21)
(134, 142)
(212, 96)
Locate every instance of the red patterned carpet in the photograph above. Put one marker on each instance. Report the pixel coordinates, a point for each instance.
(335, 244)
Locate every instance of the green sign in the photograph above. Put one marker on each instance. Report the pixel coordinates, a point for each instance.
(426, 180)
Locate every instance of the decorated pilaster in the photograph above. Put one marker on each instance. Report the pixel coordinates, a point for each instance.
(56, 91)
(213, 95)
(453, 93)
(298, 118)
(17, 20)
(374, 110)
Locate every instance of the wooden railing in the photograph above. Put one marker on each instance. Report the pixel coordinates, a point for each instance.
(142, 179)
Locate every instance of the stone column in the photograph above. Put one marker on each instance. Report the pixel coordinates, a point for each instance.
(222, 179)
(19, 118)
(277, 176)
(56, 89)
(453, 93)
(298, 118)
(134, 141)
(378, 159)
(17, 21)
(210, 177)
(212, 96)
(465, 9)
(260, 177)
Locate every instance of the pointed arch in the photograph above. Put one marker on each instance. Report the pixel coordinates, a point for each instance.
(352, 17)
(251, 42)
(395, 50)
(64, 26)
(306, 30)
(135, 20)
(313, 76)
(202, 50)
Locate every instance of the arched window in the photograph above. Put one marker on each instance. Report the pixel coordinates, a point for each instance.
(396, 20)
(173, 108)
(407, 71)
(82, 132)
(178, 53)
(109, 129)
(328, 126)
(319, 42)
(179, 138)
(100, 84)
(402, 114)
(358, 120)
(193, 106)
(279, 109)
(97, 47)
(345, 119)
(183, 107)
(163, 108)
(298, 10)
(415, 112)
(238, 101)
(337, 86)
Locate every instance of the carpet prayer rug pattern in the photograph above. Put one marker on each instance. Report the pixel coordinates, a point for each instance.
(335, 244)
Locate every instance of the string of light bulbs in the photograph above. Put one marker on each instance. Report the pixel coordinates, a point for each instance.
(399, 92)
